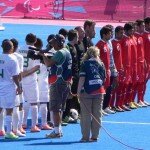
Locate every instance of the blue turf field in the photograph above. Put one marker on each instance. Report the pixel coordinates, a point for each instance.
(132, 128)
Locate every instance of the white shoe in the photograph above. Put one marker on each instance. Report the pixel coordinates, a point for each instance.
(18, 133)
(104, 113)
(107, 110)
(142, 104)
(146, 103)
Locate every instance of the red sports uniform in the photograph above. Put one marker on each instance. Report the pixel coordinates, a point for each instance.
(140, 66)
(105, 57)
(117, 54)
(126, 60)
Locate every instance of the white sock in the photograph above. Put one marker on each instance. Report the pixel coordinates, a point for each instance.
(26, 107)
(21, 116)
(51, 117)
(34, 115)
(15, 118)
(43, 112)
(2, 120)
(8, 124)
(58, 129)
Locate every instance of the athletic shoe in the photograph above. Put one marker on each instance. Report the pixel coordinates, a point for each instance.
(64, 123)
(104, 113)
(107, 110)
(46, 127)
(93, 139)
(126, 108)
(2, 133)
(54, 135)
(146, 103)
(119, 109)
(18, 133)
(11, 135)
(137, 105)
(24, 126)
(22, 130)
(35, 129)
(132, 106)
(142, 104)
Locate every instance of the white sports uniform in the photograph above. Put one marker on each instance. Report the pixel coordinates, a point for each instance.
(43, 84)
(19, 98)
(8, 68)
(29, 83)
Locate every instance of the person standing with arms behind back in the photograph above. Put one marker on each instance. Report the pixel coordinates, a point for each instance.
(9, 85)
(91, 94)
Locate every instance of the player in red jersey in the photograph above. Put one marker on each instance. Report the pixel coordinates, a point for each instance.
(105, 34)
(140, 62)
(117, 54)
(126, 60)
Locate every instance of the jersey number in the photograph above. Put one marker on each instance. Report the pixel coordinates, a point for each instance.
(2, 73)
(26, 62)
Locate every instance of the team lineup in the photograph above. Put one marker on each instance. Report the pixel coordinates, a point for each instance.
(72, 78)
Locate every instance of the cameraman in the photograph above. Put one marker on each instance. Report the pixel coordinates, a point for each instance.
(60, 78)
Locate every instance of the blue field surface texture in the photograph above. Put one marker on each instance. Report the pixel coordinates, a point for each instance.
(130, 128)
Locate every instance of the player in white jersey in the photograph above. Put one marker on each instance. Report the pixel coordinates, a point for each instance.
(18, 110)
(29, 83)
(43, 89)
(9, 81)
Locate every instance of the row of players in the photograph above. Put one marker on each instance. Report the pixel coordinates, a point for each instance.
(126, 59)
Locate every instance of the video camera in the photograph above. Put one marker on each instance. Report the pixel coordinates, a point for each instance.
(33, 53)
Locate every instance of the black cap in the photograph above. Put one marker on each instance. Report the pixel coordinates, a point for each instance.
(60, 39)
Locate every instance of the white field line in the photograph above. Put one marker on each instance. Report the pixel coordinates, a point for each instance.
(133, 123)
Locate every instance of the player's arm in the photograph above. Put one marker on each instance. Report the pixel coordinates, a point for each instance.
(16, 81)
(30, 71)
(48, 61)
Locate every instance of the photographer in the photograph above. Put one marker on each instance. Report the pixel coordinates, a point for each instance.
(60, 78)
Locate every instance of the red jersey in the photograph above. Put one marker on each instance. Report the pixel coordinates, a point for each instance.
(104, 53)
(140, 57)
(126, 57)
(140, 48)
(105, 57)
(146, 39)
(117, 54)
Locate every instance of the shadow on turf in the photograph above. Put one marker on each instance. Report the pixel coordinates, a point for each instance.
(53, 143)
(21, 140)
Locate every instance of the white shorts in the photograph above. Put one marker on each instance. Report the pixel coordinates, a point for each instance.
(31, 93)
(8, 101)
(44, 96)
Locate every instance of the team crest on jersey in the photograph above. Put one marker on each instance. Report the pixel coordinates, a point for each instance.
(118, 47)
(149, 37)
(139, 41)
(105, 49)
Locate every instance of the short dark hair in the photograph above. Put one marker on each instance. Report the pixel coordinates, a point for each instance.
(105, 30)
(88, 23)
(30, 38)
(39, 43)
(72, 34)
(63, 32)
(118, 28)
(7, 45)
(128, 26)
(15, 43)
(147, 20)
(139, 22)
(109, 26)
(51, 36)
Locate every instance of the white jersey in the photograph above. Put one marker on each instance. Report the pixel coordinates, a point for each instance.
(28, 64)
(20, 60)
(43, 78)
(8, 68)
